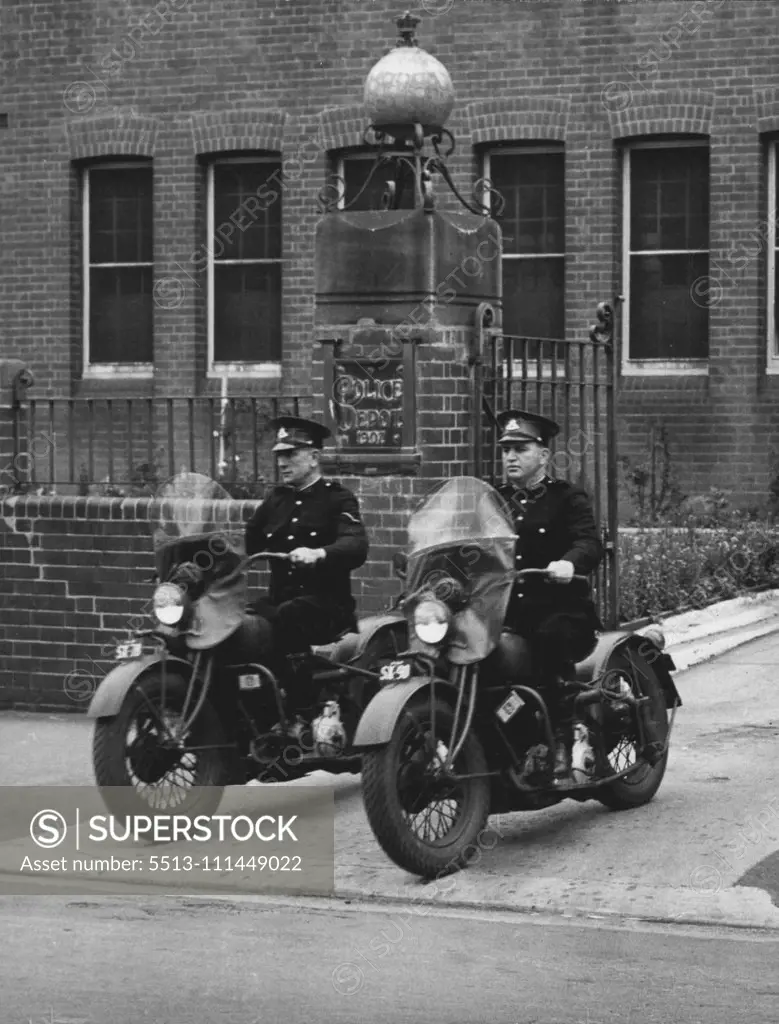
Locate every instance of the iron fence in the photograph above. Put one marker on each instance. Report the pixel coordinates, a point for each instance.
(115, 446)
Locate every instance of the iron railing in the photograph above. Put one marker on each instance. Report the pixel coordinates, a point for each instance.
(130, 445)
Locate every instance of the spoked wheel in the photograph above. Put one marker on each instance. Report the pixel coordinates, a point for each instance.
(425, 822)
(138, 750)
(640, 786)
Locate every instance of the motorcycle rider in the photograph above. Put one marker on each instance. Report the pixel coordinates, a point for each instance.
(556, 530)
(318, 523)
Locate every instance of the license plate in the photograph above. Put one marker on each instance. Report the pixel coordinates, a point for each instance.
(509, 707)
(249, 682)
(133, 649)
(395, 671)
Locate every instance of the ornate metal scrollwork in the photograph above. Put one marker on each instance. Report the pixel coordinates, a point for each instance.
(602, 332)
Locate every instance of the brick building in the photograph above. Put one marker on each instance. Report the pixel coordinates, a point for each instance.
(634, 143)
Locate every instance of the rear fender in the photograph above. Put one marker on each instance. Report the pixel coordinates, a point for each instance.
(382, 714)
(112, 690)
(642, 649)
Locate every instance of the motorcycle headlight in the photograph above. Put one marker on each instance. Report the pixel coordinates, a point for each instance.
(431, 621)
(169, 604)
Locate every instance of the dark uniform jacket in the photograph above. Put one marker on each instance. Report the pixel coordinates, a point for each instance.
(553, 521)
(323, 515)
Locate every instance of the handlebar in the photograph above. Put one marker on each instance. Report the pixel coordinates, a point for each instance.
(520, 573)
(265, 554)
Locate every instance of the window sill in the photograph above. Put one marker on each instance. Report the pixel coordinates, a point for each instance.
(256, 370)
(112, 371)
(665, 368)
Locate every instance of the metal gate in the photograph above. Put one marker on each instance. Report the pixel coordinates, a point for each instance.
(572, 382)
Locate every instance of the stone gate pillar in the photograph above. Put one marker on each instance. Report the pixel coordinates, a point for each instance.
(402, 300)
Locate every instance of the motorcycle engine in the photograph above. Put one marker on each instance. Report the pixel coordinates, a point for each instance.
(329, 732)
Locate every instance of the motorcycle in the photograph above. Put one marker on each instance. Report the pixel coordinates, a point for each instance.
(207, 706)
(462, 730)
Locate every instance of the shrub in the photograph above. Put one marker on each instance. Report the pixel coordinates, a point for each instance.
(678, 568)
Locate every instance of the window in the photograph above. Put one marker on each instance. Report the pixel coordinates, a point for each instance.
(118, 269)
(244, 264)
(666, 257)
(532, 183)
(355, 168)
(772, 263)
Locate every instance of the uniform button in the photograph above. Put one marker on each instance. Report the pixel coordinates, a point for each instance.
(519, 519)
(294, 520)
(298, 502)
(313, 533)
(291, 537)
(541, 529)
(519, 558)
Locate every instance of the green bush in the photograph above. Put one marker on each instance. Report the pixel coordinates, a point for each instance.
(675, 568)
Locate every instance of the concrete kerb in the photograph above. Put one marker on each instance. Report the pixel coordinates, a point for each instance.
(702, 634)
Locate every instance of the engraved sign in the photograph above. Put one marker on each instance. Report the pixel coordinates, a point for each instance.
(368, 403)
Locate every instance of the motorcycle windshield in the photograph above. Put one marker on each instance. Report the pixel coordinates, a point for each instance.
(196, 521)
(464, 535)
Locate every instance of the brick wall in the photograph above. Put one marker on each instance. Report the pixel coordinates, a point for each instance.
(199, 76)
(76, 575)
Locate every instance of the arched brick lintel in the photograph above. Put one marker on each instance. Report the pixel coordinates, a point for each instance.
(344, 127)
(675, 112)
(112, 135)
(520, 118)
(229, 130)
(767, 106)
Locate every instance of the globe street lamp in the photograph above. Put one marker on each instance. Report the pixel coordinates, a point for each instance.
(408, 96)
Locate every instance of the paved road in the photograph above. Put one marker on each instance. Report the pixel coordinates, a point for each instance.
(165, 961)
(714, 823)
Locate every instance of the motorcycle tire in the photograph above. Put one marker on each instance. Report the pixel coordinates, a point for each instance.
(640, 786)
(110, 756)
(383, 802)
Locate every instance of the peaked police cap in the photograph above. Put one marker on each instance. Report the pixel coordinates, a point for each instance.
(517, 425)
(295, 432)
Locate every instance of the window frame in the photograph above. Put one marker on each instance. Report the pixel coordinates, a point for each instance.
(531, 149)
(772, 241)
(101, 371)
(652, 367)
(218, 370)
(339, 164)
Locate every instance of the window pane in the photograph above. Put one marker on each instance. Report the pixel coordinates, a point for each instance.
(533, 186)
(665, 321)
(669, 198)
(357, 170)
(120, 215)
(533, 297)
(247, 211)
(121, 315)
(247, 313)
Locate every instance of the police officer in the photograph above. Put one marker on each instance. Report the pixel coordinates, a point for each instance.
(318, 523)
(556, 530)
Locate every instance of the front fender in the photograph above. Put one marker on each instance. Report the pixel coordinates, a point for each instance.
(380, 717)
(640, 646)
(112, 690)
